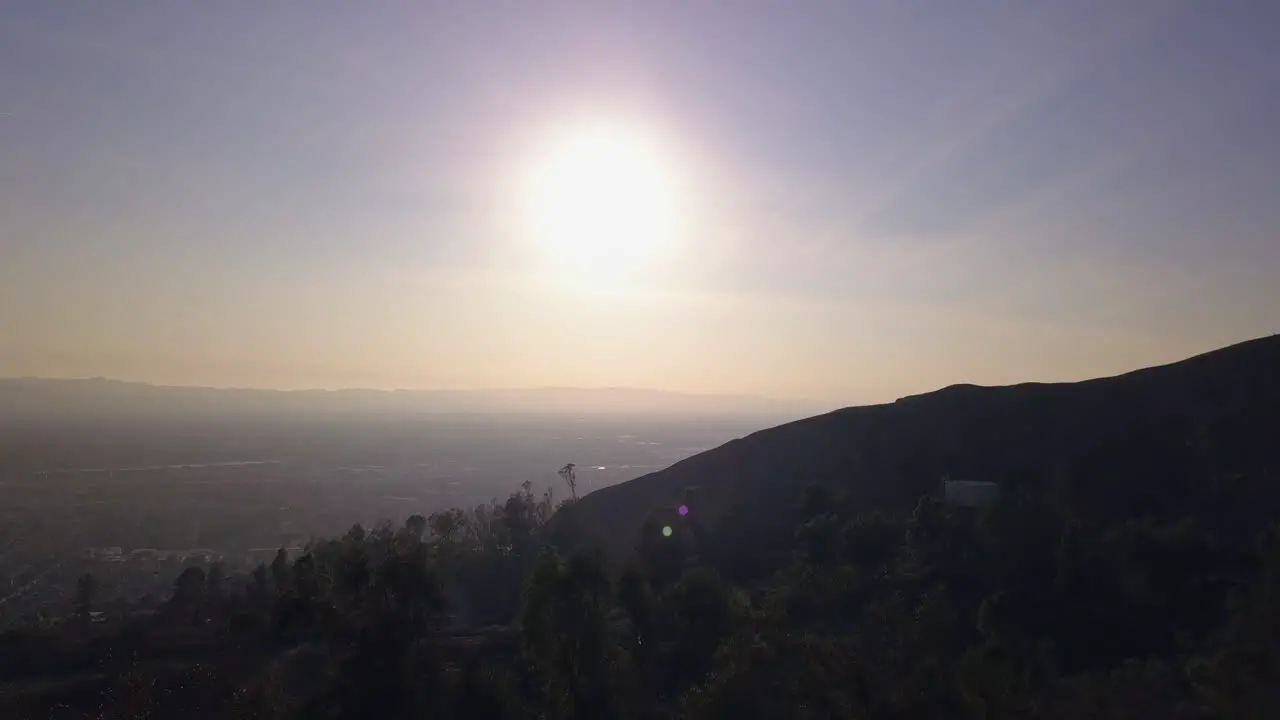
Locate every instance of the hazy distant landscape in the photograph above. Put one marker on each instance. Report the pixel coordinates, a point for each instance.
(74, 399)
(177, 470)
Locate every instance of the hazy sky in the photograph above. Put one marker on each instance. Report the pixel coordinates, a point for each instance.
(882, 197)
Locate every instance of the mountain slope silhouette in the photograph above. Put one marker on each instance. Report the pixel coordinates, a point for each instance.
(1126, 446)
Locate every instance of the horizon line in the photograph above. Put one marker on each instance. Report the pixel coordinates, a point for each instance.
(472, 389)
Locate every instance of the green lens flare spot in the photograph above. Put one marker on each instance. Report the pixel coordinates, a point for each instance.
(666, 531)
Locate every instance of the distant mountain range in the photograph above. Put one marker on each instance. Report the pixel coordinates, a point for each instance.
(1143, 442)
(42, 396)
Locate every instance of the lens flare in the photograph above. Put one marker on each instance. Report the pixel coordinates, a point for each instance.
(666, 531)
(684, 510)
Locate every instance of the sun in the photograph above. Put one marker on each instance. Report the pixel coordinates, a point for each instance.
(604, 199)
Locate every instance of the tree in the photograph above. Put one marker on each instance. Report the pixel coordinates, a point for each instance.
(1242, 679)
(354, 573)
(213, 582)
(870, 541)
(295, 608)
(822, 540)
(636, 599)
(259, 590)
(448, 526)
(188, 593)
(703, 607)
(356, 535)
(570, 478)
(306, 580)
(519, 520)
(280, 570)
(383, 533)
(415, 526)
(785, 675)
(410, 591)
(86, 586)
(563, 633)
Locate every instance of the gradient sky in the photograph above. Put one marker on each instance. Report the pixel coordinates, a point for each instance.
(887, 197)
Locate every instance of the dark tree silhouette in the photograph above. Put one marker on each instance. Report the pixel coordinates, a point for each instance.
(415, 526)
(259, 587)
(188, 594)
(1032, 608)
(214, 580)
(570, 477)
(280, 571)
(86, 586)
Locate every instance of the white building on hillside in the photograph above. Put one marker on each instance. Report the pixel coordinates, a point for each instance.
(969, 493)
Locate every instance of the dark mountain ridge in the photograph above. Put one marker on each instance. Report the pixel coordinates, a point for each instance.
(1126, 445)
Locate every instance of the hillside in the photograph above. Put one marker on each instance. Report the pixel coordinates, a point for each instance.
(1129, 444)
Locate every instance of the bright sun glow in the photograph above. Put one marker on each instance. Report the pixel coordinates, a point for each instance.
(604, 200)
